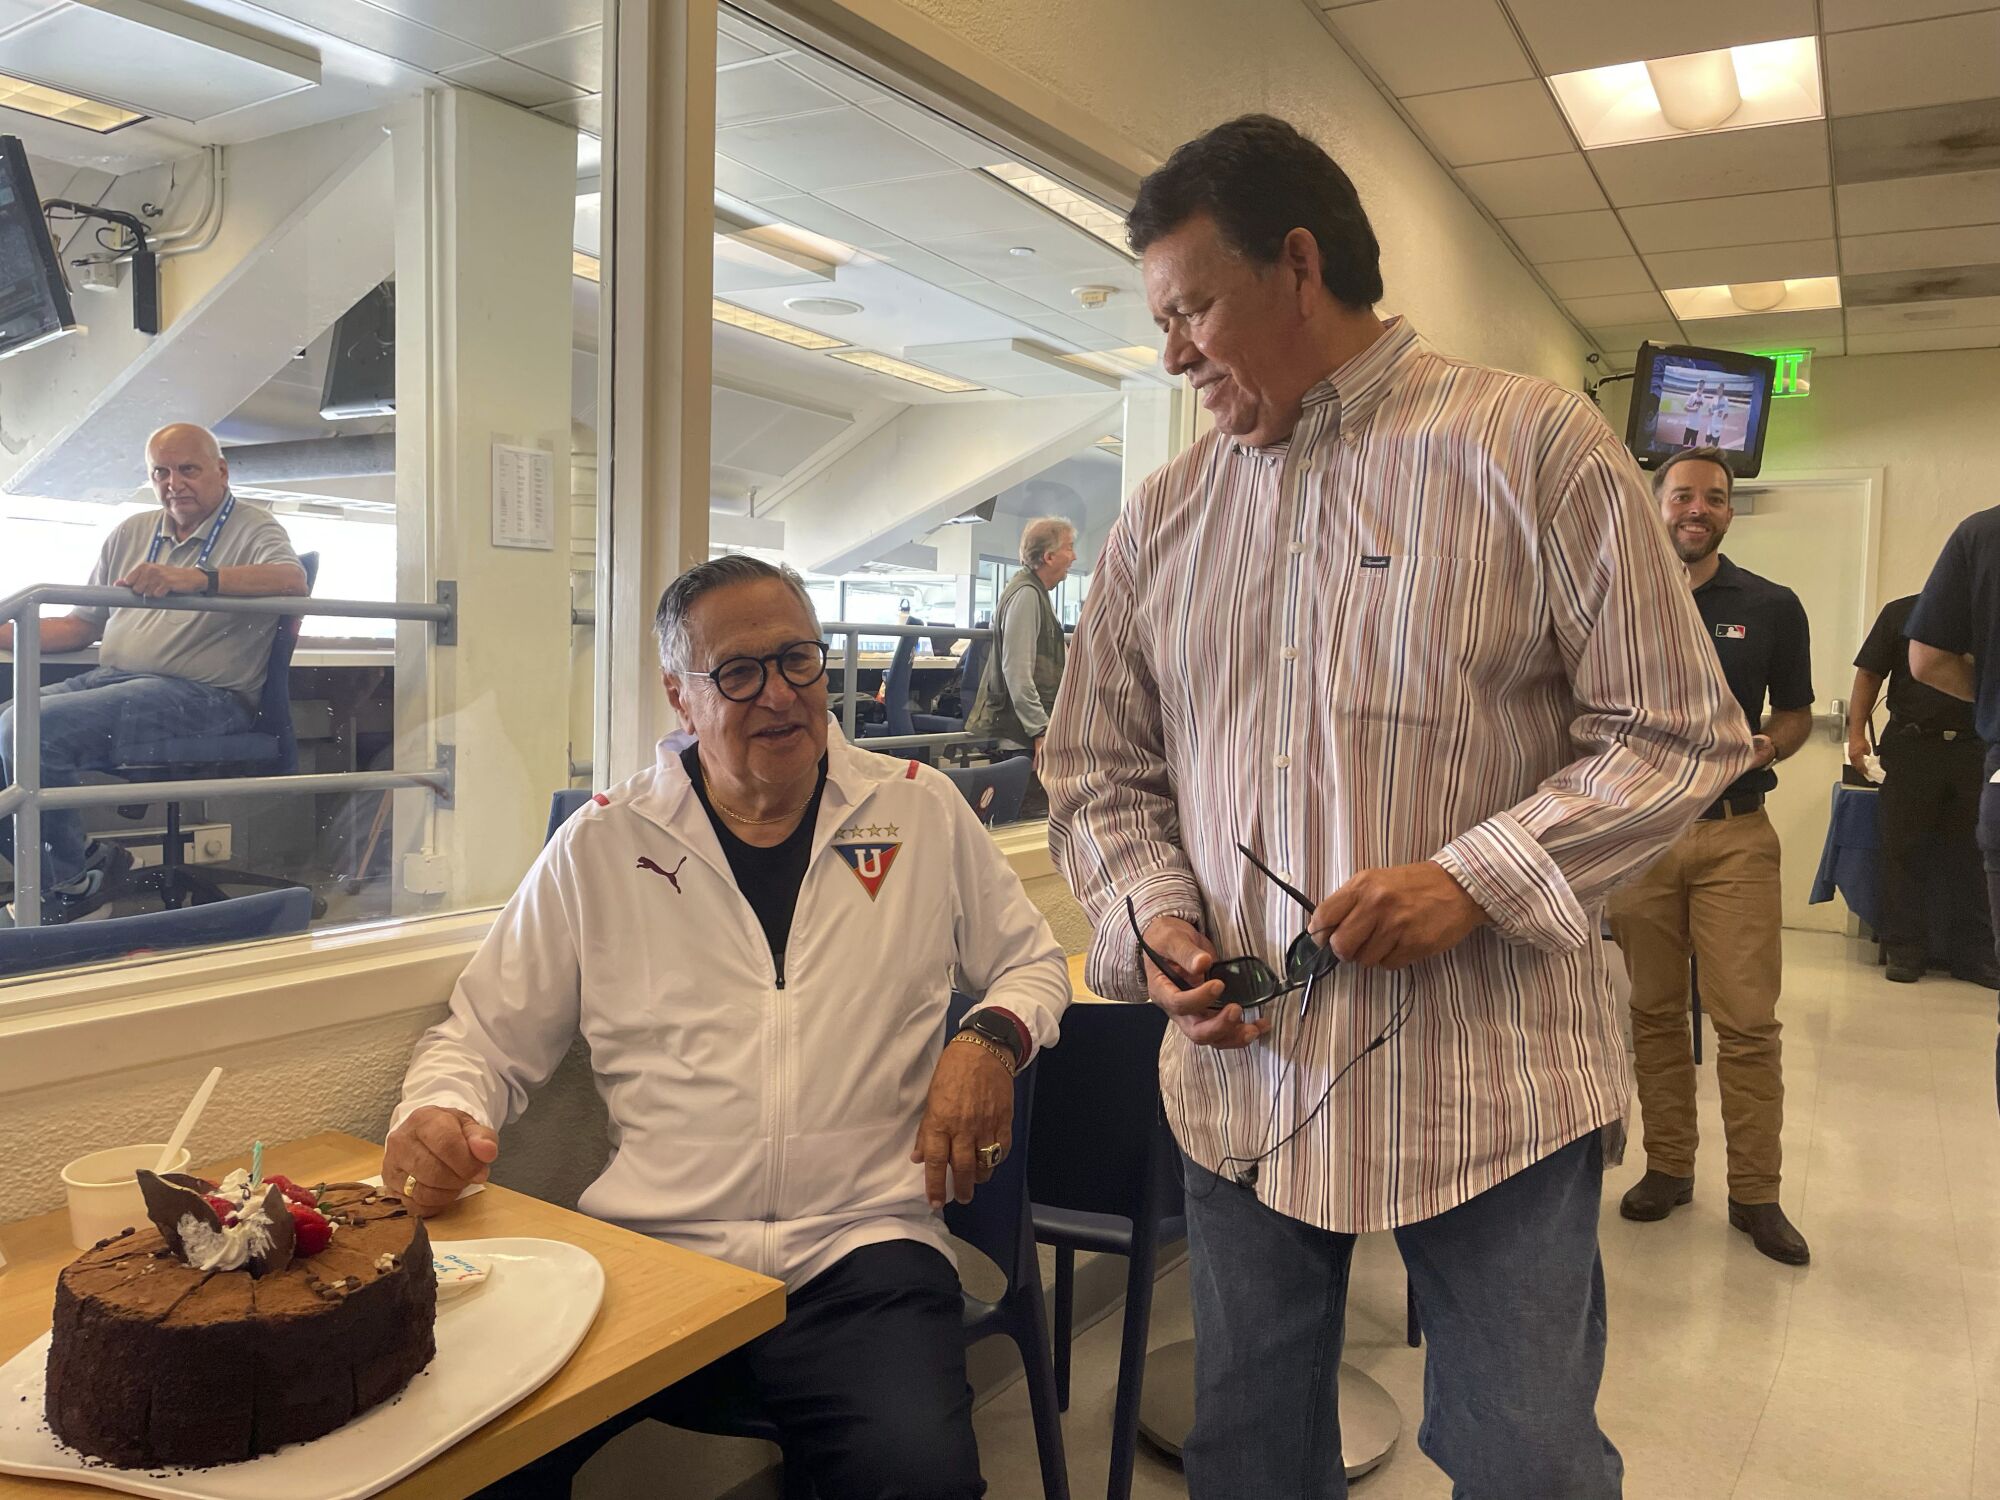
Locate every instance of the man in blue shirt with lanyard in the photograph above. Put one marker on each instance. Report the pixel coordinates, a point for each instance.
(1955, 647)
(160, 673)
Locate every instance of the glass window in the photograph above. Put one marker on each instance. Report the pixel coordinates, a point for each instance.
(921, 345)
(380, 299)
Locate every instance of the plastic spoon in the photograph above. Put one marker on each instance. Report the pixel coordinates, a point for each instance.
(192, 1113)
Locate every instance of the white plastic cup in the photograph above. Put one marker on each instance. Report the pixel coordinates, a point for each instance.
(104, 1194)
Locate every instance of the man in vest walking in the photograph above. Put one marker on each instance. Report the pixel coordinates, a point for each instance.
(1018, 691)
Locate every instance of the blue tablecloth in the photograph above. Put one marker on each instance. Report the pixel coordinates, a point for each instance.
(1850, 864)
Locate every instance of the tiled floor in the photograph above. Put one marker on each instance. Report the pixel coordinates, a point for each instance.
(1873, 1374)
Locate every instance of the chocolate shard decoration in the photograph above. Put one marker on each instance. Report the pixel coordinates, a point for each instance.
(284, 1236)
(167, 1203)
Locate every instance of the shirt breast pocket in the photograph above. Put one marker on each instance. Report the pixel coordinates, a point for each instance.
(1401, 652)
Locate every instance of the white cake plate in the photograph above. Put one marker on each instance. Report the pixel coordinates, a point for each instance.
(494, 1346)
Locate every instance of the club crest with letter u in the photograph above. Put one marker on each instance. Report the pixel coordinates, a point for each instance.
(870, 863)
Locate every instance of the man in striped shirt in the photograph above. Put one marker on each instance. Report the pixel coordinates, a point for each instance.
(1405, 630)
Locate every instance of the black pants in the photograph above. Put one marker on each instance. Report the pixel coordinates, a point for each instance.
(1989, 847)
(1931, 880)
(865, 1378)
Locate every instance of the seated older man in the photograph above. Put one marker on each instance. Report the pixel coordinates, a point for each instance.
(758, 938)
(160, 673)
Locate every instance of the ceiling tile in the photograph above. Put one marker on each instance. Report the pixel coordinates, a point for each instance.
(932, 208)
(1710, 166)
(1920, 203)
(1498, 122)
(729, 51)
(1920, 249)
(752, 186)
(1627, 336)
(1915, 339)
(1426, 46)
(1787, 260)
(1880, 288)
(1539, 185)
(585, 114)
(850, 85)
(920, 263)
(1746, 219)
(835, 148)
(741, 33)
(500, 25)
(943, 137)
(766, 90)
(14, 12)
(1896, 317)
(823, 218)
(577, 58)
(1565, 35)
(1598, 278)
(1114, 326)
(1765, 330)
(1850, 15)
(378, 30)
(512, 82)
(1946, 138)
(1609, 312)
(1554, 237)
(1057, 293)
(1904, 67)
(1060, 250)
(1004, 300)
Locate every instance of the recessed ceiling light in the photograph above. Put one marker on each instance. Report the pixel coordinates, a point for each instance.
(1023, 252)
(1801, 294)
(65, 108)
(1736, 88)
(823, 307)
(1087, 214)
(898, 369)
(772, 328)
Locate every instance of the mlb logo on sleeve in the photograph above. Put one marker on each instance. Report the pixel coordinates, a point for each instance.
(1732, 632)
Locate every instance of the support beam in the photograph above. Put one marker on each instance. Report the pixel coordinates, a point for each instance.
(933, 462)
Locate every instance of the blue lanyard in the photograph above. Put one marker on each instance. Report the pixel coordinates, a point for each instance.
(207, 547)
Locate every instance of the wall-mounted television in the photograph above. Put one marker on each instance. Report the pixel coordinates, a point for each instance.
(361, 361)
(34, 298)
(1686, 397)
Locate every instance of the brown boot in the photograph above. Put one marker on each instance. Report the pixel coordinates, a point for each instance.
(1770, 1231)
(1656, 1195)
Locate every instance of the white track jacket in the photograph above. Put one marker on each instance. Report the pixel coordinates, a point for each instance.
(764, 1119)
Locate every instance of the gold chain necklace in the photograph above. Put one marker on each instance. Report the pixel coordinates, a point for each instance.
(736, 817)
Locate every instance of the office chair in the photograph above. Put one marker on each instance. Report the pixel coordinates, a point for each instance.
(267, 748)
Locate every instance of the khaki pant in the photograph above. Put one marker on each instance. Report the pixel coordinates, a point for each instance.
(1713, 896)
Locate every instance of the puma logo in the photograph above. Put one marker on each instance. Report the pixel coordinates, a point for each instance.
(673, 875)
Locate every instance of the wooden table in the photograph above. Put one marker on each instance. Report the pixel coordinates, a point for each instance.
(666, 1313)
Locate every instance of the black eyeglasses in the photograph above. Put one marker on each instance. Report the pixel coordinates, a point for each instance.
(1248, 981)
(741, 678)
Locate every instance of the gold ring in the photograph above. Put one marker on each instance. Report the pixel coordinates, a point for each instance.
(410, 1185)
(989, 1156)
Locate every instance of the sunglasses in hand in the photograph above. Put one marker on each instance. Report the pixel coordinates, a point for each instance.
(1249, 981)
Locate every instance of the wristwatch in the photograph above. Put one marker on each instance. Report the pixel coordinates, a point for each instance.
(998, 1031)
(214, 581)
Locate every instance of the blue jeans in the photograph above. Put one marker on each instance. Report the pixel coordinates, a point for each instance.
(91, 723)
(1510, 1292)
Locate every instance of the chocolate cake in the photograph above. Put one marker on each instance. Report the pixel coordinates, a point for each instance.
(155, 1362)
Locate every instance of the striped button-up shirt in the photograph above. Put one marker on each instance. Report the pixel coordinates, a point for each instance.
(1441, 621)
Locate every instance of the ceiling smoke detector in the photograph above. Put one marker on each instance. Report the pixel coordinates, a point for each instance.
(1090, 298)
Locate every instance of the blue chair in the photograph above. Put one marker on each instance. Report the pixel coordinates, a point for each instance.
(235, 920)
(896, 704)
(996, 1223)
(1104, 1174)
(562, 805)
(995, 791)
(267, 748)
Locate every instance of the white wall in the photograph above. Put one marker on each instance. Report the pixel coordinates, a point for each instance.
(1928, 421)
(1162, 71)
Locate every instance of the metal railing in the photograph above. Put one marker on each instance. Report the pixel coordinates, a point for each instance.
(849, 657)
(27, 798)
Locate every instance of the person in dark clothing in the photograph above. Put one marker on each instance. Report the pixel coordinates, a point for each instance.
(1955, 647)
(1932, 762)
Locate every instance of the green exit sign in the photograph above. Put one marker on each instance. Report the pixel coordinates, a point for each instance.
(1794, 371)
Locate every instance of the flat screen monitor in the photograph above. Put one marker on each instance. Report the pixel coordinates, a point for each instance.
(34, 299)
(361, 361)
(1685, 397)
